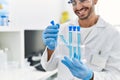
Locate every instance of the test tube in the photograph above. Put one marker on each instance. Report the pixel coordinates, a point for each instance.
(78, 42)
(4, 20)
(63, 39)
(70, 41)
(74, 44)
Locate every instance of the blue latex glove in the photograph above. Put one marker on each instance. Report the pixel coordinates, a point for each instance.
(50, 35)
(77, 68)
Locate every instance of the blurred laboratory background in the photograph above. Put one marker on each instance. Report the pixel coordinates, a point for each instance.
(34, 47)
(21, 26)
(38, 13)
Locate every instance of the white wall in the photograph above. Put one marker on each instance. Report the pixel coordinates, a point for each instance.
(109, 10)
(34, 13)
(38, 13)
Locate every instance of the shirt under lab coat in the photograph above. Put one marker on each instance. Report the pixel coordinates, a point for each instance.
(102, 52)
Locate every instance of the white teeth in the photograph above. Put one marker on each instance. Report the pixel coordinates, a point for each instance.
(82, 11)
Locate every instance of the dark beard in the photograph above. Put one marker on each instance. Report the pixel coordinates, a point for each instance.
(90, 12)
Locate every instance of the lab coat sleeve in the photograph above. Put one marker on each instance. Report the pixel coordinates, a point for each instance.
(112, 69)
(51, 64)
(55, 58)
(44, 59)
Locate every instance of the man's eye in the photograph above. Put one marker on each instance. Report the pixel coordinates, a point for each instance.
(73, 3)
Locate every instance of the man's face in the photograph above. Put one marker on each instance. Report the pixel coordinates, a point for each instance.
(83, 8)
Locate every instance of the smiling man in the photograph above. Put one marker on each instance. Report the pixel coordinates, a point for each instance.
(101, 51)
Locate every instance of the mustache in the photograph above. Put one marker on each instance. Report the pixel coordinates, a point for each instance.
(81, 9)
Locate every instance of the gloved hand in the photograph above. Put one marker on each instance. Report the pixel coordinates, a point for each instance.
(50, 35)
(77, 68)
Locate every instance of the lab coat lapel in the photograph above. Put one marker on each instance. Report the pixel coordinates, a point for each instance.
(99, 26)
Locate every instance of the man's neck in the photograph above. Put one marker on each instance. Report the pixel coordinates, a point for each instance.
(88, 22)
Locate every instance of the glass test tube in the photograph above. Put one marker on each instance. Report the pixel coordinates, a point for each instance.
(70, 41)
(74, 46)
(78, 41)
(4, 20)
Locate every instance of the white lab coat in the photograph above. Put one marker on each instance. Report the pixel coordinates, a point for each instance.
(102, 51)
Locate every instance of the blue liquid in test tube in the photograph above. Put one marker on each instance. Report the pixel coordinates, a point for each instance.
(78, 42)
(74, 46)
(70, 41)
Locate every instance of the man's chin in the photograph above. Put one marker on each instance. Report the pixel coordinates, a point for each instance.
(83, 18)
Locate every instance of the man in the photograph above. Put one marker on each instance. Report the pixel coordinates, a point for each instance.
(102, 49)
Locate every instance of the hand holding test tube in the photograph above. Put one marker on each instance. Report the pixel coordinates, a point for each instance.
(50, 35)
(75, 62)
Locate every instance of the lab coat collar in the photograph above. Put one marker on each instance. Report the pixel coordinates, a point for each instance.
(100, 23)
(98, 28)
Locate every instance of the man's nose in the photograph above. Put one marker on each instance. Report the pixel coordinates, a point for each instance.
(78, 5)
